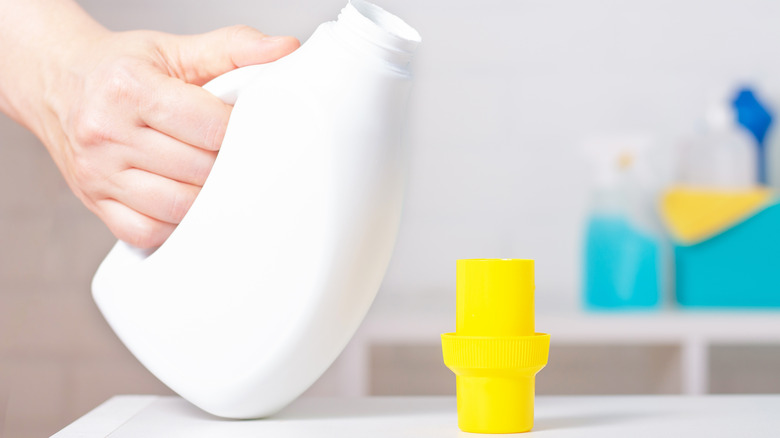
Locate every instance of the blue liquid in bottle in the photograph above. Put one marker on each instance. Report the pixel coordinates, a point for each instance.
(621, 265)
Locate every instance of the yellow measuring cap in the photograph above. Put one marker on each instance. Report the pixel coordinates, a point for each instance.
(495, 351)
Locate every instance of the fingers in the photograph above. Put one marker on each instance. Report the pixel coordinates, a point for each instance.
(206, 56)
(165, 156)
(152, 195)
(131, 226)
(185, 112)
(139, 105)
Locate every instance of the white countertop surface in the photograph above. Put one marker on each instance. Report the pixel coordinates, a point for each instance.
(135, 416)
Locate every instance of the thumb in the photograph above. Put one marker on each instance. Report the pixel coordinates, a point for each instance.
(203, 57)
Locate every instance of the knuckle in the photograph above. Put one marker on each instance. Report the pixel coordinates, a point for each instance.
(240, 31)
(90, 128)
(214, 133)
(146, 234)
(119, 81)
(113, 87)
(201, 173)
(86, 172)
(180, 206)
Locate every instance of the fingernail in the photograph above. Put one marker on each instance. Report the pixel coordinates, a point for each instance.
(273, 39)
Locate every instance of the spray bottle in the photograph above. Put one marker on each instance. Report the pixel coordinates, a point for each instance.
(626, 259)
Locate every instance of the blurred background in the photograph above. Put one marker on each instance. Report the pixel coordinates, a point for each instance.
(530, 122)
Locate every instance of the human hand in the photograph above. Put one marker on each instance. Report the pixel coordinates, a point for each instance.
(132, 131)
(123, 114)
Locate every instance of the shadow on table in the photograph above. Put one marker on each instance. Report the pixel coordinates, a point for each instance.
(312, 408)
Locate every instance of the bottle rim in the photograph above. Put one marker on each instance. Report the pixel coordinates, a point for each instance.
(377, 27)
(386, 21)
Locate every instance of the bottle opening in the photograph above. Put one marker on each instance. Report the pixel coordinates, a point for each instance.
(374, 31)
(386, 20)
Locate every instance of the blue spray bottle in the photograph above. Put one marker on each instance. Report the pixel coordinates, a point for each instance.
(624, 253)
(756, 118)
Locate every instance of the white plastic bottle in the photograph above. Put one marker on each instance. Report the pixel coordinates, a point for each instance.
(723, 155)
(772, 141)
(274, 267)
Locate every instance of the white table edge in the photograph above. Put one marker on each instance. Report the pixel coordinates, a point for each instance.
(107, 417)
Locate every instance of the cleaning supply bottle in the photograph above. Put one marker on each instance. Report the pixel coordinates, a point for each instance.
(722, 155)
(772, 139)
(756, 117)
(270, 273)
(626, 260)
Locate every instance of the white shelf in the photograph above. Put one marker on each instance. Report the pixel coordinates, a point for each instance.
(693, 331)
(580, 327)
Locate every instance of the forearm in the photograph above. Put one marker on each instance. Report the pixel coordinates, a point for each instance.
(39, 42)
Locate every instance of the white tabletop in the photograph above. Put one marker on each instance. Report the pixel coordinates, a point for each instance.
(432, 417)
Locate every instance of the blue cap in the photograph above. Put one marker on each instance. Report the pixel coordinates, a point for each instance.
(756, 118)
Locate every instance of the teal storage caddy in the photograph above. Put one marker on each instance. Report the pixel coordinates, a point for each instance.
(738, 268)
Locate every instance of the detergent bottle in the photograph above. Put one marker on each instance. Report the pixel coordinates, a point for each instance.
(271, 271)
(626, 259)
(722, 155)
(756, 117)
(772, 140)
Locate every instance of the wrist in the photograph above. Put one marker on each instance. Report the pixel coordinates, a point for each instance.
(43, 40)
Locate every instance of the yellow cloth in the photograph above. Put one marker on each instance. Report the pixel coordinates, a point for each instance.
(696, 214)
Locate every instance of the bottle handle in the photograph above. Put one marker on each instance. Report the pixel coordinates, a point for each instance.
(227, 87)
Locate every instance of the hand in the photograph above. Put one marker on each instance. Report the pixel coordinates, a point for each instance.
(122, 114)
(132, 131)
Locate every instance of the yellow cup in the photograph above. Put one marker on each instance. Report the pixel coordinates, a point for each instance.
(495, 352)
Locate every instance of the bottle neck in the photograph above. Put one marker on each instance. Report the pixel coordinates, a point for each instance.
(375, 32)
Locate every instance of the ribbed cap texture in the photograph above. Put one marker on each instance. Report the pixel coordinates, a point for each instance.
(474, 352)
